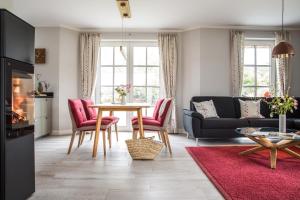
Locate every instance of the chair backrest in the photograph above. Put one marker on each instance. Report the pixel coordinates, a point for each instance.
(77, 112)
(165, 111)
(156, 108)
(91, 113)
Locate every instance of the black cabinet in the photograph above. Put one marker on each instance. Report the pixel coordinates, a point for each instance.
(17, 38)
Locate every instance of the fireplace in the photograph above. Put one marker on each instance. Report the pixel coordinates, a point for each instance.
(22, 99)
(19, 98)
(16, 107)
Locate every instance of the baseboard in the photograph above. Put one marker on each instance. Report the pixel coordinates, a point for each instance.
(62, 132)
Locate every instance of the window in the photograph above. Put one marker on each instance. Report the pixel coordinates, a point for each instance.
(259, 68)
(141, 70)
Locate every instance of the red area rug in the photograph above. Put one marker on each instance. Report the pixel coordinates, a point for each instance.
(249, 177)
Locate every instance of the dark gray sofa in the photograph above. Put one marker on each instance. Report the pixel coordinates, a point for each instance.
(228, 109)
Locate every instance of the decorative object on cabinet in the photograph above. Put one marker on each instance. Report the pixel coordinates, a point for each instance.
(40, 56)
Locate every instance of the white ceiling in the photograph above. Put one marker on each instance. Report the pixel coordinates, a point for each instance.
(157, 14)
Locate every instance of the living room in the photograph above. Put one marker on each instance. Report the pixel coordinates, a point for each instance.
(147, 99)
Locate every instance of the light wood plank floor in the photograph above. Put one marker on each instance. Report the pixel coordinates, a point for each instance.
(78, 176)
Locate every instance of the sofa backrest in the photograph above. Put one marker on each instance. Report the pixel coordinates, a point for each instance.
(229, 107)
(224, 105)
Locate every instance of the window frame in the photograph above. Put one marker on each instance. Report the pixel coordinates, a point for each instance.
(256, 42)
(130, 67)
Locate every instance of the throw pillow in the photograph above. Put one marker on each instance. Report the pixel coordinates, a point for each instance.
(206, 108)
(250, 109)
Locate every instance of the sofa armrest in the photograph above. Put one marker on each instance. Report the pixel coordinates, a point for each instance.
(193, 114)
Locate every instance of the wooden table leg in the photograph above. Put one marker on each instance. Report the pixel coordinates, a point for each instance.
(98, 126)
(253, 150)
(273, 157)
(140, 121)
(292, 153)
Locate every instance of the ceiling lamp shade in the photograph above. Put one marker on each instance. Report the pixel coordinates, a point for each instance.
(283, 50)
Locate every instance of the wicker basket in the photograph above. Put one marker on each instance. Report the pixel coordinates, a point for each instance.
(144, 148)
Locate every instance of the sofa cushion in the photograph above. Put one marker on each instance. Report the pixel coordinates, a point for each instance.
(271, 122)
(224, 105)
(206, 108)
(264, 107)
(225, 123)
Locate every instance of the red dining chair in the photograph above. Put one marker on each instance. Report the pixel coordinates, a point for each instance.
(80, 123)
(158, 122)
(91, 114)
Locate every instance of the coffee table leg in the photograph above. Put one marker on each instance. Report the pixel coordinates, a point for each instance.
(273, 157)
(253, 150)
(292, 153)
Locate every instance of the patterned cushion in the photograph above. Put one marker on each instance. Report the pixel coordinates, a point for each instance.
(78, 111)
(157, 108)
(206, 108)
(91, 113)
(250, 109)
(163, 110)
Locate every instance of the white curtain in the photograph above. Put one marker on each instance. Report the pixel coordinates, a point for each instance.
(283, 69)
(237, 60)
(89, 55)
(168, 60)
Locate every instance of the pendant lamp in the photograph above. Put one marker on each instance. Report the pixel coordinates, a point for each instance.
(283, 49)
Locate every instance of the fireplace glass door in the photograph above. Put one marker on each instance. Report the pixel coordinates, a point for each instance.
(22, 104)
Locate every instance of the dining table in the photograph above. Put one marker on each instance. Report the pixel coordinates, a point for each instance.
(128, 107)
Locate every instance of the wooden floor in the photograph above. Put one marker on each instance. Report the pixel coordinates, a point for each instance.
(78, 176)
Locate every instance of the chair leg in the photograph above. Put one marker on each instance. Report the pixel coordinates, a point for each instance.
(92, 132)
(117, 133)
(159, 137)
(163, 138)
(79, 139)
(82, 137)
(134, 134)
(71, 142)
(104, 142)
(109, 136)
(168, 141)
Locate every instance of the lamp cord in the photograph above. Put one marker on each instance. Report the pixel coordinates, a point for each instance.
(282, 14)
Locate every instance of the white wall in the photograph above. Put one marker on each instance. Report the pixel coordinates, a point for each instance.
(61, 71)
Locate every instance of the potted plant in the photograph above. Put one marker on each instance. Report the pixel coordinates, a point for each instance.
(281, 106)
(122, 91)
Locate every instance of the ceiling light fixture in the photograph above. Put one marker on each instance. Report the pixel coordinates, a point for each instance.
(283, 49)
(124, 9)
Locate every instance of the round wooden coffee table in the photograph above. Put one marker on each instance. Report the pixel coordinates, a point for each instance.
(264, 138)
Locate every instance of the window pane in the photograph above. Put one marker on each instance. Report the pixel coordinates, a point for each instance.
(263, 76)
(120, 57)
(153, 76)
(120, 75)
(122, 117)
(107, 55)
(139, 76)
(150, 111)
(139, 55)
(248, 92)
(263, 55)
(139, 94)
(152, 95)
(152, 56)
(261, 91)
(106, 76)
(106, 94)
(249, 76)
(249, 56)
